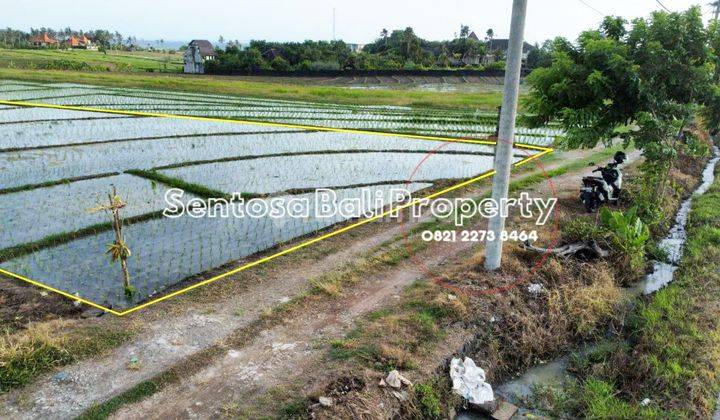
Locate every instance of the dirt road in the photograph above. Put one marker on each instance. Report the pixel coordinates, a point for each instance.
(278, 355)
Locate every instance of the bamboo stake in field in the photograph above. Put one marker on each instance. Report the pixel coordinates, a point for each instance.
(118, 250)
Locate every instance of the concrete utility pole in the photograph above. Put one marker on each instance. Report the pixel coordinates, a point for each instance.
(504, 148)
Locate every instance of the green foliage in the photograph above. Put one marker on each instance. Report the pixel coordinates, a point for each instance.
(645, 199)
(399, 49)
(641, 84)
(628, 233)
(280, 64)
(580, 230)
(541, 56)
(429, 401)
(601, 402)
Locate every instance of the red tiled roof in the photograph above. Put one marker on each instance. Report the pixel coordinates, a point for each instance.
(82, 41)
(44, 38)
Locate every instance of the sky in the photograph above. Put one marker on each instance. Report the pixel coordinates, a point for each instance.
(297, 20)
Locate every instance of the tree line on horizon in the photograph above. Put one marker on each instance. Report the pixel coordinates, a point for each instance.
(392, 50)
(14, 38)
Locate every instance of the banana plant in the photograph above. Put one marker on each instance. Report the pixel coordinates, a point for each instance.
(629, 233)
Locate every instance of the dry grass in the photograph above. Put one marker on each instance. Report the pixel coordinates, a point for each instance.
(44, 346)
(586, 302)
(399, 336)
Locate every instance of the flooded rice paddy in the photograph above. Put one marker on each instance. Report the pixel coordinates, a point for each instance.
(57, 166)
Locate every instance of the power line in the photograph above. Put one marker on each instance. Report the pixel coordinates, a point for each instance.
(592, 8)
(663, 6)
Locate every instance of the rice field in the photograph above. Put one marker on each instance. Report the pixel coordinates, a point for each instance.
(57, 166)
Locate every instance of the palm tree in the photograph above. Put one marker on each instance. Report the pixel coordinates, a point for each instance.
(490, 35)
(384, 35)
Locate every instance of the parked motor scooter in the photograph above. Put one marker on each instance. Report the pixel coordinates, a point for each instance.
(605, 189)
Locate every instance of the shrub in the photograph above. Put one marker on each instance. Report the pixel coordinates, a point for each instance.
(498, 65)
(280, 64)
(629, 235)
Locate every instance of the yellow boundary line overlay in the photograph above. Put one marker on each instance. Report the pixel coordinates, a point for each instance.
(260, 123)
(543, 151)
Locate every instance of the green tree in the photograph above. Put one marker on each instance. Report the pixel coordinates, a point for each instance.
(280, 64)
(641, 85)
(540, 56)
(614, 27)
(637, 87)
(252, 60)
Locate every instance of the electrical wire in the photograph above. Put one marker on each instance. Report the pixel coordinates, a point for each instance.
(663, 6)
(592, 8)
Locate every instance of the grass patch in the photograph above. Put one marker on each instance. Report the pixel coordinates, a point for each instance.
(232, 86)
(669, 351)
(600, 401)
(197, 189)
(393, 337)
(140, 61)
(44, 346)
(133, 395)
(428, 401)
(54, 183)
(64, 237)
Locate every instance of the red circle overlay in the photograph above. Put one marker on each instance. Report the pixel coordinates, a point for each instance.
(518, 280)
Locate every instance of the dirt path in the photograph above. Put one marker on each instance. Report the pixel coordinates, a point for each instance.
(166, 340)
(287, 353)
(281, 354)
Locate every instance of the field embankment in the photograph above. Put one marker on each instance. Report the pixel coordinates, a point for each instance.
(88, 60)
(228, 85)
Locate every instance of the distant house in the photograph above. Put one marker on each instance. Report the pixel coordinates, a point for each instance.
(197, 52)
(356, 47)
(44, 40)
(470, 59)
(80, 42)
(496, 47)
(207, 51)
(467, 59)
(474, 37)
(194, 63)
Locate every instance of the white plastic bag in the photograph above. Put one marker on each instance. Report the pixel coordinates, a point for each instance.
(469, 381)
